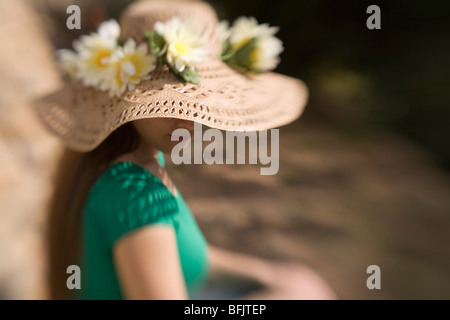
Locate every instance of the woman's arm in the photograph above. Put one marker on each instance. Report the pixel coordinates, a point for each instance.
(148, 264)
(227, 264)
(279, 280)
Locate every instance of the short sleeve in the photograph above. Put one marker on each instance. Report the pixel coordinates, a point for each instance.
(128, 197)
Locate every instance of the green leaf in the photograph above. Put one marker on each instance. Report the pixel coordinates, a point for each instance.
(157, 42)
(242, 56)
(227, 51)
(187, 75)
(190, 75)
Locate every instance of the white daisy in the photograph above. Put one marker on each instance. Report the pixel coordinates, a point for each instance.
(131, 65)
(185, 44)
(265, 55)
(95, 52)
(109, 31)
(68, 62)
(265, 48)
(223, 30)
(246, 28)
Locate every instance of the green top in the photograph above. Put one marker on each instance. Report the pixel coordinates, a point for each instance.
(125, 198)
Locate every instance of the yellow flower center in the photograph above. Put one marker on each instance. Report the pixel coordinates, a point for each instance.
(254, 55)
(239, 44)
(100, 60)
(181, 48)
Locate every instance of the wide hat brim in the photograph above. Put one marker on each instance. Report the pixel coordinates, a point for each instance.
(224, 99)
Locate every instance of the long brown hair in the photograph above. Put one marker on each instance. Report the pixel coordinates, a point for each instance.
(75, 175)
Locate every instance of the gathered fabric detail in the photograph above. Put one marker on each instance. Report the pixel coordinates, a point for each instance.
(128, 197)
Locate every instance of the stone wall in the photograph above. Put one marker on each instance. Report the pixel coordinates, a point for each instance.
(27, 150)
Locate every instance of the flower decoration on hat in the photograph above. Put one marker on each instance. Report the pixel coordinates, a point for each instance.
(99, 60)
(249, 46)
(179, 45)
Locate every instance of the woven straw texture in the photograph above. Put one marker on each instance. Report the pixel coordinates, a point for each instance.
(225, 99)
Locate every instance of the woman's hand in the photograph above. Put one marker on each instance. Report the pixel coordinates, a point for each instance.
(280, 280)
(291, 280)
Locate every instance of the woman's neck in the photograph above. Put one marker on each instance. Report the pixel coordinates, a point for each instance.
(145, 153)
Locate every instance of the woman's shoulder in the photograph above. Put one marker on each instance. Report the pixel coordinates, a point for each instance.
(128, 187)
(126, 181)
(127, 197)
(123, 174)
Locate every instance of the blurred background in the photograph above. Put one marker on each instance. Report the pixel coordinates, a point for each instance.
(364, 173)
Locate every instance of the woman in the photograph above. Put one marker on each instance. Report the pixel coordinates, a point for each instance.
(115, 211)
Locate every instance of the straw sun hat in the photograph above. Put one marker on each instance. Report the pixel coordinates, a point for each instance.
(224, 98)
